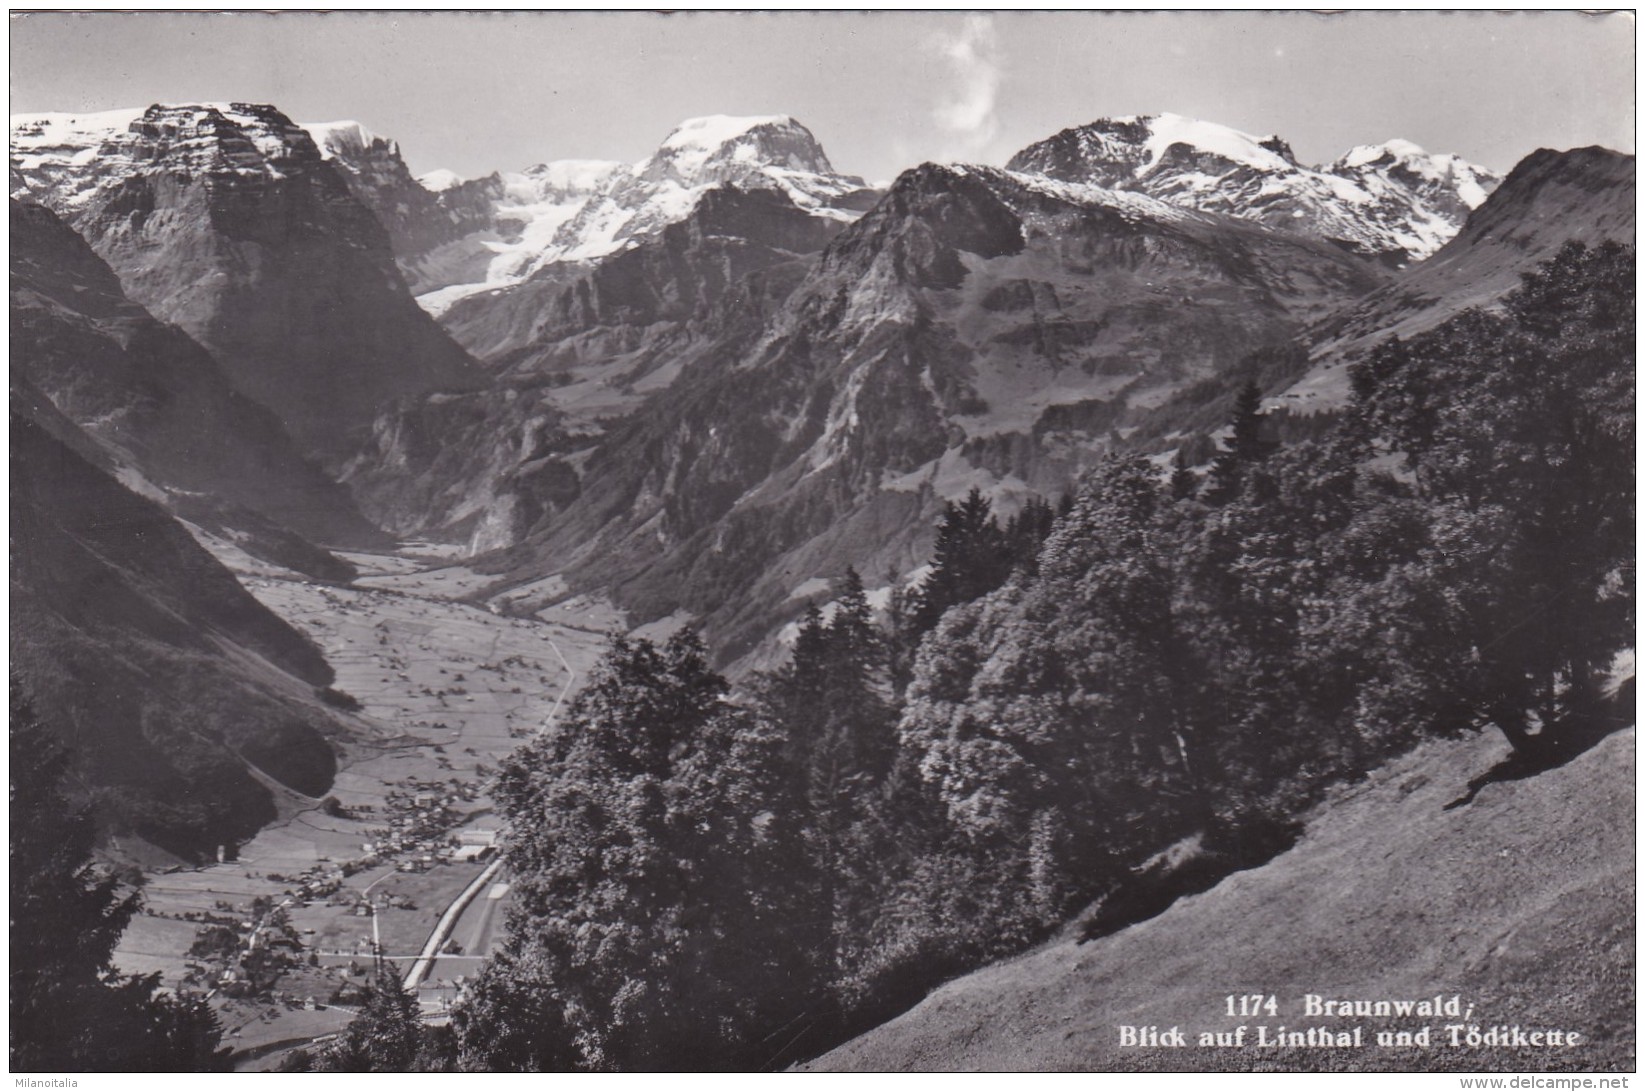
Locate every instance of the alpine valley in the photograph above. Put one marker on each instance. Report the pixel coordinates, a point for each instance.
(1059, 533)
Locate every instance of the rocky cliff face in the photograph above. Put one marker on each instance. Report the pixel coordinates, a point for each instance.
(581, 313)
(227, 221)
(587, 346)
(422, 224)
(165, 678)
(152, 398)
(482, 467)
(1393, 200)
(924, 352)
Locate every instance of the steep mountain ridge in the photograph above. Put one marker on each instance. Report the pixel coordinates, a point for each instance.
(775, 153)
(713, 235)
(173, 686)
(151, 396)
(1394, 199)
(580, 346)
(226, 220)
(1549, 198)
(419, 221)
(580, 211)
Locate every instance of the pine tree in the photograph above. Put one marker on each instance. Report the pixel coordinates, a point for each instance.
(900, 635)
(1026, 531)
(1244, 448)
(971, 559)
(1184, 482)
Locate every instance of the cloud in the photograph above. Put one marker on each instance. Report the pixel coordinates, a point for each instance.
(965, 108)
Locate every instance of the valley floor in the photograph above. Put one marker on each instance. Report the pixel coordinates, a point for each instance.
(1520, 903)
(446, 690)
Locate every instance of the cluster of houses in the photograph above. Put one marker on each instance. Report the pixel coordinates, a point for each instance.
(420, 819)
(245, 958)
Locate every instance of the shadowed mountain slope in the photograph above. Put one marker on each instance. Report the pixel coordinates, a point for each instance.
(1547, 200)
(166, 678)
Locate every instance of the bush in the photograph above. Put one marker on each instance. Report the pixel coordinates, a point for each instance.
(339, 699)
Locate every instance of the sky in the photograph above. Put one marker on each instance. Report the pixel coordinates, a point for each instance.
(883, 91)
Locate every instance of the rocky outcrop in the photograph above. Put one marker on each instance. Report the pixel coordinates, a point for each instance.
(422, 224)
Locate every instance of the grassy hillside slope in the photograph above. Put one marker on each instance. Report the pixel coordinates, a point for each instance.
(1521, 901)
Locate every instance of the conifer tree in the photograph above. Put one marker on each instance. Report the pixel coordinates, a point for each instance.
(971, 559)
(901, 638)
(1184, 483)
(1242, 449)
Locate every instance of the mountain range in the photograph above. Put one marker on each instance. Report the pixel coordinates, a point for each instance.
(701, 385)
(1392, 200)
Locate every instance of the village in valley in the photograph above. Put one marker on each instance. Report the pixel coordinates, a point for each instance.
(284, 933)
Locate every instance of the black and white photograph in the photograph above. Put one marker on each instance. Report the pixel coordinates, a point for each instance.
(800, 541)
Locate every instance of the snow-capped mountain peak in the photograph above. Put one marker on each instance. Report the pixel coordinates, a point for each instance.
(69, 158)
(712, 132)
(1469, 183)
(42, 134)
(439, 180)
(718, 148)
(1120, 152)
(582, 210)
(344, 138)
(563, 179)
(216, 216)
(1388, 150)
(1390, 199)
(1166, 131)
